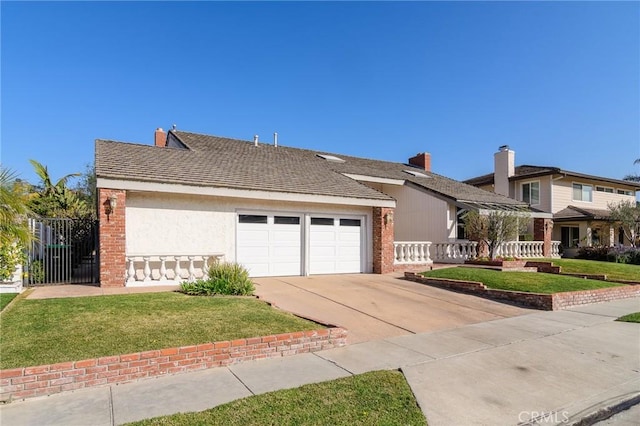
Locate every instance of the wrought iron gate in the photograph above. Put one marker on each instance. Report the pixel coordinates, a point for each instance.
(62, 252)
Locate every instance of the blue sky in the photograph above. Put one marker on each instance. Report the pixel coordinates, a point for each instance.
(558, 82)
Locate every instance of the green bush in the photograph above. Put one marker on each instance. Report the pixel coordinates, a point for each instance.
(223, 278)
(11, 255)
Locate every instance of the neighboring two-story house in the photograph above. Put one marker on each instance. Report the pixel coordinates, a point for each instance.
(578, 201)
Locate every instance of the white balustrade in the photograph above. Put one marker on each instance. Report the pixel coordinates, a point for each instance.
(147, 270)
(415, 252)
(409, 252)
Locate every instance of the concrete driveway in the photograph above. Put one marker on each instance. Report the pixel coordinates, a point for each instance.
(374, 307)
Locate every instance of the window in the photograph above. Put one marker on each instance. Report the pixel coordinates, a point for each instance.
(570, 236)
(250, 218)
(625, 192)
(531, 193)
(349, 222)
(286, 220)
(582, 192)
(327, 221)
(604, 189)
(462, 235)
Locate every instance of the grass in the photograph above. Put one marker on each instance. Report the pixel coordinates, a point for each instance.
(36, 332)
(530, 282)
(613, 271)
(5, 298)
(375, 398)
(635, 317)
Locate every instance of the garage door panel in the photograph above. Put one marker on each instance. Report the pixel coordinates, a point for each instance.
(335, 248)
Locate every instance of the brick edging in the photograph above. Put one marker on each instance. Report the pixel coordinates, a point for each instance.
(547, 302)
(29, 382)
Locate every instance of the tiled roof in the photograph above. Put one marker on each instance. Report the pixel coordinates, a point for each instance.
(527, 172)
(579, 213)
(231, 163)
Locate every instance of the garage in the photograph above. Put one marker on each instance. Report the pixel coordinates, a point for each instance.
(334, 245)
(284, 244)
(269, 245)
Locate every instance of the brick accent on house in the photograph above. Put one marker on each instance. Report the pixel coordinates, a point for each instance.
(542, 231)
(383, 236)
(112, 237)
(23, 383)
(547, 302)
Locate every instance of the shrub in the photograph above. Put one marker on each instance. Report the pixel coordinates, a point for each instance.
(11, 255)
(593, 253)
(223, 278)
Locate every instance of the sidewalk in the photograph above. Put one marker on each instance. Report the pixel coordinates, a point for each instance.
(557, 366)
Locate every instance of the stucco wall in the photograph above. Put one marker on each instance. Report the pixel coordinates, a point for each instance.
(172, 224)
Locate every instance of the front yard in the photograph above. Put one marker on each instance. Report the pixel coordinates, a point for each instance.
(376, 398)
(614, 271)
(529, 282)
(36, 332)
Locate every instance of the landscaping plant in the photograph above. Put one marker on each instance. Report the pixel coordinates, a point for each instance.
(226, 278)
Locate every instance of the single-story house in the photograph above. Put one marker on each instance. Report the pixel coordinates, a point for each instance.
(169, 209)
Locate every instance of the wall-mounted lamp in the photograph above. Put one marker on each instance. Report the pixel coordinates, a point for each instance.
(388, 218)
(110, 205)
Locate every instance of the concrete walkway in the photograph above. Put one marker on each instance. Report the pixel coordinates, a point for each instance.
(557, 367)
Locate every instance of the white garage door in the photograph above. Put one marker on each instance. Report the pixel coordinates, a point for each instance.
(269, 245)
(334, 245)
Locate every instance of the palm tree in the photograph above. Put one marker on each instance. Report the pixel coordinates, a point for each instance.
(56, 199)
(633, 178)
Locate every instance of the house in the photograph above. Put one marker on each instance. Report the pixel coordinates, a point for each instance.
(169, 209)
(578, 201)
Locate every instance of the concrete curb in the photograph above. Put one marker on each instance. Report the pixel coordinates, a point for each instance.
(606, 412)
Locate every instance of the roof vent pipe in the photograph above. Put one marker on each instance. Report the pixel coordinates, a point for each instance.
(255, 140)
(275, 139)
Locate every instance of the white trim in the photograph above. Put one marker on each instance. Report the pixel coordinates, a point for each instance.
(240, 193)
(364, 178)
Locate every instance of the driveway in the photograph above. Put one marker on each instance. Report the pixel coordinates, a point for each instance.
(374, 307)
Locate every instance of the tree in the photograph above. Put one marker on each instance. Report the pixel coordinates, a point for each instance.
(626, 214)
(494, 228)
(633, 178)
(14, 228)
(56, 200)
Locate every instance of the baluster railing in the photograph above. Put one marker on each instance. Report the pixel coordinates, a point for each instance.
(145, 270)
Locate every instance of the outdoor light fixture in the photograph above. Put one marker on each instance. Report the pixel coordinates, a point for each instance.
(388, 218)
(110, 205)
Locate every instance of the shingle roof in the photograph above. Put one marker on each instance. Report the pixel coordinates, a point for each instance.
(579, 213)
(527, 172)
(232, 163)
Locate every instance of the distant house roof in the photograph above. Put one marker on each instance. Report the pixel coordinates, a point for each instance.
(578, 213)
(528, 172)
(231, 163)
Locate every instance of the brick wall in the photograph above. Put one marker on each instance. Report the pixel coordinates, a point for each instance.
(383, 236)
(22, 383)
(547, 302)
(112, 239)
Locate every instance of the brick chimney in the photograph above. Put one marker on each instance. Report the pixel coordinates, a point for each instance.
(422, 160)
(160, 137)
(504, 166)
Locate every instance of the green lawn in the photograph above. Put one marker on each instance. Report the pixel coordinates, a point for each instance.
(635, 317)
(619, 271)
(376, 398)
(5, 298)
(36, 332)
(530, 282)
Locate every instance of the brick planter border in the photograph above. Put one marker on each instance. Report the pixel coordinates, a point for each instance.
(42, 380)
(547, 302)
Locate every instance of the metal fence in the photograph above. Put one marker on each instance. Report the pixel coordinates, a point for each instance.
(63, 252)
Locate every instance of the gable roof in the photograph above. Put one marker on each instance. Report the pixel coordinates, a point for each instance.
(528, 172)
(214, 161)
